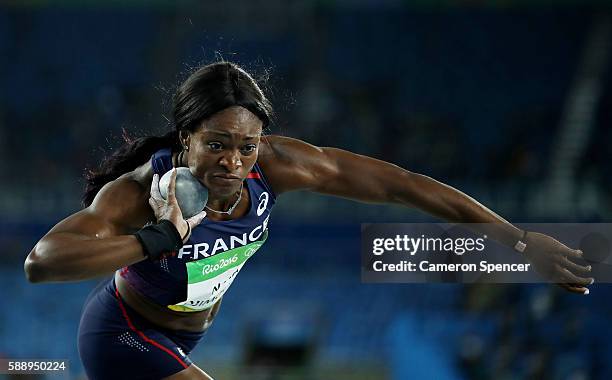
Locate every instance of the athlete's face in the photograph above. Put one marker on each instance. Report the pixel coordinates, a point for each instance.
(223, 150)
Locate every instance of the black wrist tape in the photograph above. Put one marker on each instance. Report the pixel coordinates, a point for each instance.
(159, 239)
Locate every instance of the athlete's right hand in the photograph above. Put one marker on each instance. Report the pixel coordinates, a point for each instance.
(169, 209)
(553, 260)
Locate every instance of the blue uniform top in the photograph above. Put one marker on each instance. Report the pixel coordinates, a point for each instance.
(204, 268)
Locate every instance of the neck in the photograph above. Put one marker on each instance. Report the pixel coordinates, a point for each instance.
(231, 208)
(221, 203)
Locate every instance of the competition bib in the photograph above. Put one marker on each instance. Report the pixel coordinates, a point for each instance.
(208, 279)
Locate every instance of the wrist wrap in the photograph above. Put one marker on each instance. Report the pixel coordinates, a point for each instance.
(159, 239)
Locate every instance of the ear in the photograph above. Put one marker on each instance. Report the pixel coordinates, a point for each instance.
(185, 139)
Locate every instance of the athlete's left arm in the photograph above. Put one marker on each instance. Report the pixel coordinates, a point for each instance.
(292, 164)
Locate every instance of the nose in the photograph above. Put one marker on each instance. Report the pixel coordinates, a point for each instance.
(231, 161)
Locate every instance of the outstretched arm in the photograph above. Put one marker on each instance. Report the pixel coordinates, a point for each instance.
(292, 164)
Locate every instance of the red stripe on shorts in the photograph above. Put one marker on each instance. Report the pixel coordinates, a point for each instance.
(143, 336)
(254, 175)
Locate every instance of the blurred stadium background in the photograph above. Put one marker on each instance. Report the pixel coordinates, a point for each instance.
(506, 100)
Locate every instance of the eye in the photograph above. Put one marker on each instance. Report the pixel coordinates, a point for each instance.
(247, 149)
(215, 145)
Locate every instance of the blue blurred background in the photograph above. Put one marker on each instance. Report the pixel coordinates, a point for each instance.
(508, 101)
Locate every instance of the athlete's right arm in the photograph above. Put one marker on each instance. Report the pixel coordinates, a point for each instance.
(95, 241)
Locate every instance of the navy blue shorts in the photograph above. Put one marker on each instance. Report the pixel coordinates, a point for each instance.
(115, 342)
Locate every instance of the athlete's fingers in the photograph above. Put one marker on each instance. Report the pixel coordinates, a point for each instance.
(575, 288)
(155, 193)
(196, 219)
(153, 203)
(172, 187)
(570, 278)
(579, 281)
(576, 268)
(574, 253)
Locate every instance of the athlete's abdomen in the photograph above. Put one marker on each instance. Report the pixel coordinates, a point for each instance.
(162, 316)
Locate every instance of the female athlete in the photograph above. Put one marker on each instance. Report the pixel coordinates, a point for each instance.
(170, 274)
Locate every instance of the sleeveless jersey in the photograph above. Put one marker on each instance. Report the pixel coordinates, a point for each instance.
(204, 268)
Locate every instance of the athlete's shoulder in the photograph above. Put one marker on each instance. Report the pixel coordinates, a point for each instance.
(289, 163)
(286, 149)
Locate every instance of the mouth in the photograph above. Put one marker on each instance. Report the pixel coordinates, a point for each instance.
(226, 179)
(227, 176)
